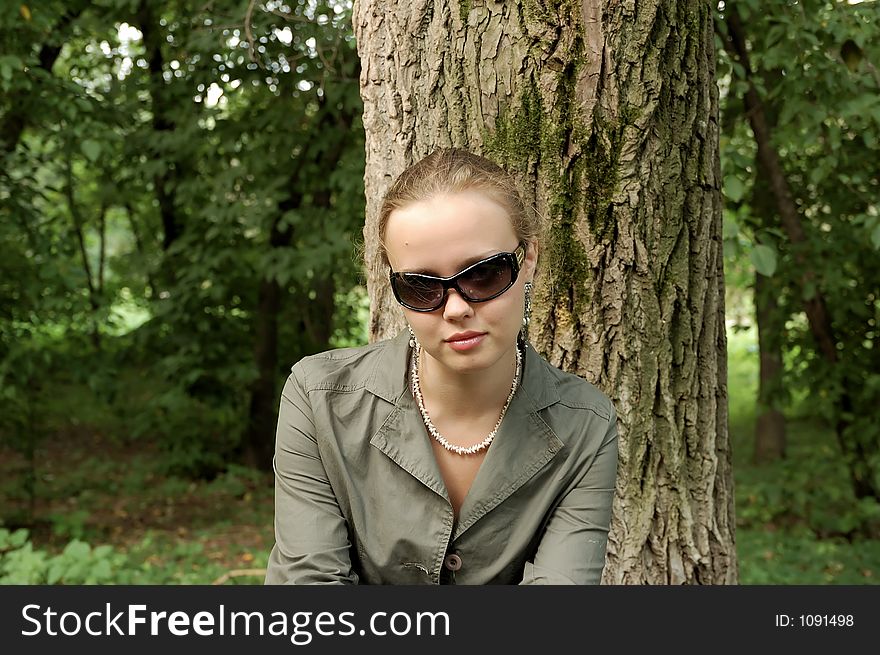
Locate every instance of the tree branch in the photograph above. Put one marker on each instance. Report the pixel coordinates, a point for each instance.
(248, 32)
(238, 573)
(102, 232)
(78, 228)
(139, 245)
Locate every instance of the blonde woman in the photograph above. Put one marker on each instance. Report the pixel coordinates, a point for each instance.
(453, 453)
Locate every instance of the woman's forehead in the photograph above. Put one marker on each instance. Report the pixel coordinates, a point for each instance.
(445, 233)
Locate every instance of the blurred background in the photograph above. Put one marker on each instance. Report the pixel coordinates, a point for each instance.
(181, 205)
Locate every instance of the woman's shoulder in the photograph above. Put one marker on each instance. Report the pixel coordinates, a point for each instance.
(340, 368)
(577, 393)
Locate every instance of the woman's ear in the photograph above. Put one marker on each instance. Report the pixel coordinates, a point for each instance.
(531, 261)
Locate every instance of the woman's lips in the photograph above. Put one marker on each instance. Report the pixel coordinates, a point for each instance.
(466, 343)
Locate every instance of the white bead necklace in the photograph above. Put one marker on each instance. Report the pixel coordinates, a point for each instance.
(459, 450)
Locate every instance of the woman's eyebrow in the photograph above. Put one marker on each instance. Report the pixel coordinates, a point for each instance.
(470, 261)
(422, 271)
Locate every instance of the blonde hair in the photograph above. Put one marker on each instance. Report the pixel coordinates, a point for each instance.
(453, 170)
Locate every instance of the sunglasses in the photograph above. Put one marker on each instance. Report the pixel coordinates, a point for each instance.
(479, 282)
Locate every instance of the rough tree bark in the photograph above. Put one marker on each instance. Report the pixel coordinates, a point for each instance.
(607, 113)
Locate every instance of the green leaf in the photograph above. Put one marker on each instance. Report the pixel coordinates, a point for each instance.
(734, 189)
(817, 174)
(9, 64)
(103, 551)
(730, 225)
(739, 70)
(875, 237)
(18, 538)
(55, 572)
(102, 570)
(91, 149)
(77, 549)
(763, 259)
(809, 290)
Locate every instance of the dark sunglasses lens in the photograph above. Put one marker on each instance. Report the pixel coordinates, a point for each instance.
(487, 279)
(419, 292)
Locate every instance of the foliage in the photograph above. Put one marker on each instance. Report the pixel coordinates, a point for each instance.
(21, 563)
(797, 558)
(797, 519)
(78, 563)
(163, 171)
(121, 508)
(813, 66)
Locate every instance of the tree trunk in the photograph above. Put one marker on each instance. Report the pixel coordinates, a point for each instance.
(608, 116)
(770, 423)
(315, 322)
(163, 125)
(258, 441)
(316, 316)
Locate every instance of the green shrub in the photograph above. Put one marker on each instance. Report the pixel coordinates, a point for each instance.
(78, 563)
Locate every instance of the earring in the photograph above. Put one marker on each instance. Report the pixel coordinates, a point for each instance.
(527, 313)
(413, 342)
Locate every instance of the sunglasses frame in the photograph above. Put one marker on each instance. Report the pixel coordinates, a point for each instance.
(515, 259)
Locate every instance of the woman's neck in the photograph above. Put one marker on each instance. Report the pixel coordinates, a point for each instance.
(469, 394)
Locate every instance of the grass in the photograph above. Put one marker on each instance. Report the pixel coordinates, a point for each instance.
(798, 521)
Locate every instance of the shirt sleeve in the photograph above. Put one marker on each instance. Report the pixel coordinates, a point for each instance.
(572, 548)
(311, 535)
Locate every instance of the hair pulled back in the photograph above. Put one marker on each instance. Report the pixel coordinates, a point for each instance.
(454, 170)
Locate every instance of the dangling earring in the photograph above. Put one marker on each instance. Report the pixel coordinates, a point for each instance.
(527, 314)
(413, 342)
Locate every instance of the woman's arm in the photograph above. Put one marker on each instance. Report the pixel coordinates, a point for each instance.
(572, 548)
(311, 536)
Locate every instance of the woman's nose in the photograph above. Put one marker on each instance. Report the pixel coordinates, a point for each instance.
(456, 307)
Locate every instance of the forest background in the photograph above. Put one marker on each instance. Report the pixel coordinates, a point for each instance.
(181, 206)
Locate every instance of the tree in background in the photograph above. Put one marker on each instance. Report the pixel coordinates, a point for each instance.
(804, 124)
(609, 117)
(179, 197)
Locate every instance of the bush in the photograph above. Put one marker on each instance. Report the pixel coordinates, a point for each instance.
(78, 563)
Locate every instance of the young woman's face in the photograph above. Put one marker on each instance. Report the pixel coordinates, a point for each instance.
(441, 236)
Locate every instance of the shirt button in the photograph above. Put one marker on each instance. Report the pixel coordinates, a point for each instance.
(452, 562)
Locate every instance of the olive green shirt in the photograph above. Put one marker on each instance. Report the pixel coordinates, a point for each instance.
(359, 497)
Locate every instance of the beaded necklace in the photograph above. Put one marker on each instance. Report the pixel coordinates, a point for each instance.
(459, 450)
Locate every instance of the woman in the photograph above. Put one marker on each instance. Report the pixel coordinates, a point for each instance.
(453, 453)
